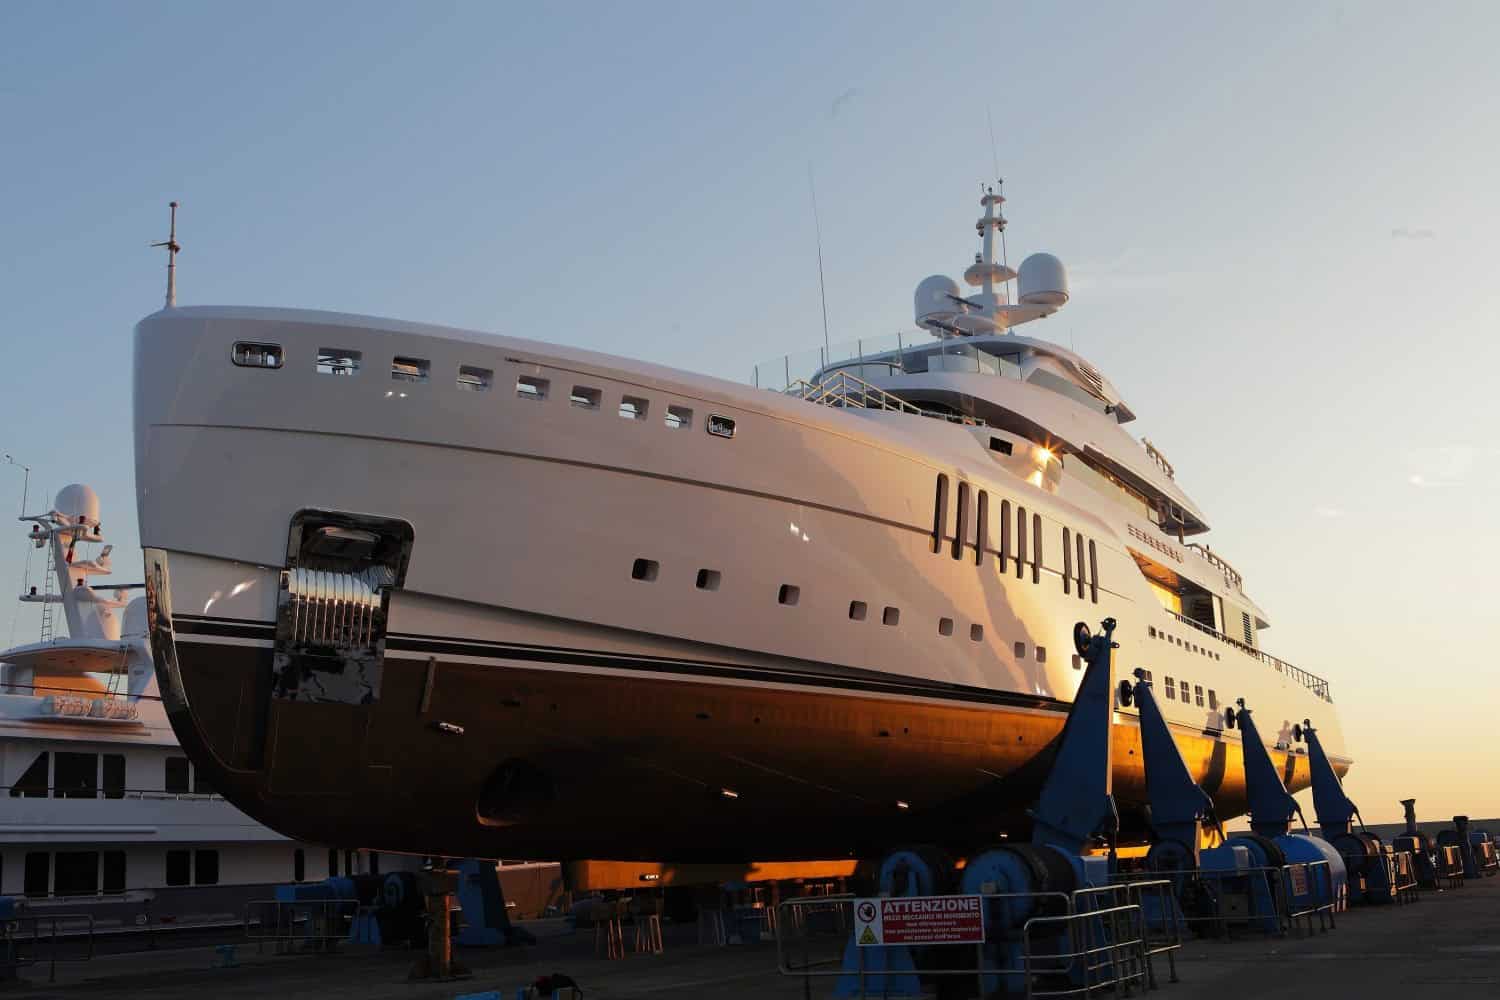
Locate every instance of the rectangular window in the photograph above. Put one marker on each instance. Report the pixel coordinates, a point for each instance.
(1041, 654)
(633, 408)
(75, 873)
(976, 632)
(1067, 573)
(1198, 695)
(410, 369)
(719, 425)
(205, 867)
(939, 513)
(114, 776)
(858, 610)
(114, 871)
(32, 784)
(248, 355)
(1036, 548)
(1183, 687)
(179, 867)
(1170, 688)
(585, 398)
(1020, 650)
(961, 530)
(645, 569)
(1004, 560)
(475, 379)
(679, 418)
(708, 579)
(1146, 676)
(38, 875)
(1020, 542)
(788, 595)
(891, 616)
(531, 387)
(76, 776)
(945, 626)
(981, 528)
(1093, 572)
(1213, 700)
(1000, 445)
(337, 361)
(1080, 565)
(177, 775)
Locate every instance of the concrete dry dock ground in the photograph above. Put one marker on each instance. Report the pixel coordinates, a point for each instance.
(1448, 945)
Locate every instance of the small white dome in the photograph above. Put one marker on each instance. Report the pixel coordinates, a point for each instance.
(935, 299)
(78, 502)
(1043, 281)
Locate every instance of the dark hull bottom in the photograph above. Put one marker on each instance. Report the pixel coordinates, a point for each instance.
(550, 760)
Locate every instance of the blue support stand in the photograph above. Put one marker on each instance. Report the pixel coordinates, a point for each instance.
(1271, 811)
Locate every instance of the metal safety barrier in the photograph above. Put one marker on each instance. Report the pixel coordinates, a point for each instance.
(22, 940)
(1109, 953)
(819, 926)
(1219, 902)
(315, 925)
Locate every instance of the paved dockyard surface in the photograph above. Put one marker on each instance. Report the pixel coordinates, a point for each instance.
(1447, 945)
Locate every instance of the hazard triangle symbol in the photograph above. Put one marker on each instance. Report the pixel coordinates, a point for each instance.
(868, 937)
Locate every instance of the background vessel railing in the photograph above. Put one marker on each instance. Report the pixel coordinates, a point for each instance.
(1307, 679)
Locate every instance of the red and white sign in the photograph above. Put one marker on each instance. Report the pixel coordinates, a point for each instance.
(919, 920)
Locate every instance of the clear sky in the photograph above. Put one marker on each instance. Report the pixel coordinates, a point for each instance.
(1280, 221)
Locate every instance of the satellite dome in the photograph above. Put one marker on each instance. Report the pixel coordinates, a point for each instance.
(937, 298)
(79, 503)
(1043, 281)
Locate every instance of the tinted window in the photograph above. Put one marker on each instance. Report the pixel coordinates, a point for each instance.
(38, 873)
(33, 782)
(114, 871)
(77, 873)
(179, 870)
(76, 777)
(177, 775)
(206, 867)
(114, 776)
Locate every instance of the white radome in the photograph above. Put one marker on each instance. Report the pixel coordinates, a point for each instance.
(1043, 281)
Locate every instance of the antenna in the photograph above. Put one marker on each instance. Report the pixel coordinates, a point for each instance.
(822, 288)
(994, 149)
(172, 247)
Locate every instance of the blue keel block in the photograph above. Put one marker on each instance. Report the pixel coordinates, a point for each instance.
(888, 972)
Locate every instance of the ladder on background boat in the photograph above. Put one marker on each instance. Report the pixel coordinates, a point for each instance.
(47, 586)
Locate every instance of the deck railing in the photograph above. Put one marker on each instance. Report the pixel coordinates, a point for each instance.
(844, 390)
(1307, 679)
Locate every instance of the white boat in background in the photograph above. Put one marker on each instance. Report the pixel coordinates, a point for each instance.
(103, 814)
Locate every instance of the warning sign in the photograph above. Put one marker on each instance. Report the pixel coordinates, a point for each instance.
(1299, 879)
(919, 920)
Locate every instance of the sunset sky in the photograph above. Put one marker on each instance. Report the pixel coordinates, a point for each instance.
(1279, 221)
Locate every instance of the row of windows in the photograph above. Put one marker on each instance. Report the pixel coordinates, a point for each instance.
(789, 595)
(1191, 647)
(89, 873)
(1189, 694)
(1024, 547)
(472, 378)
(69, 775)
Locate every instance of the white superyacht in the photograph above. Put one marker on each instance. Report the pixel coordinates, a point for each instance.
(448, 592)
